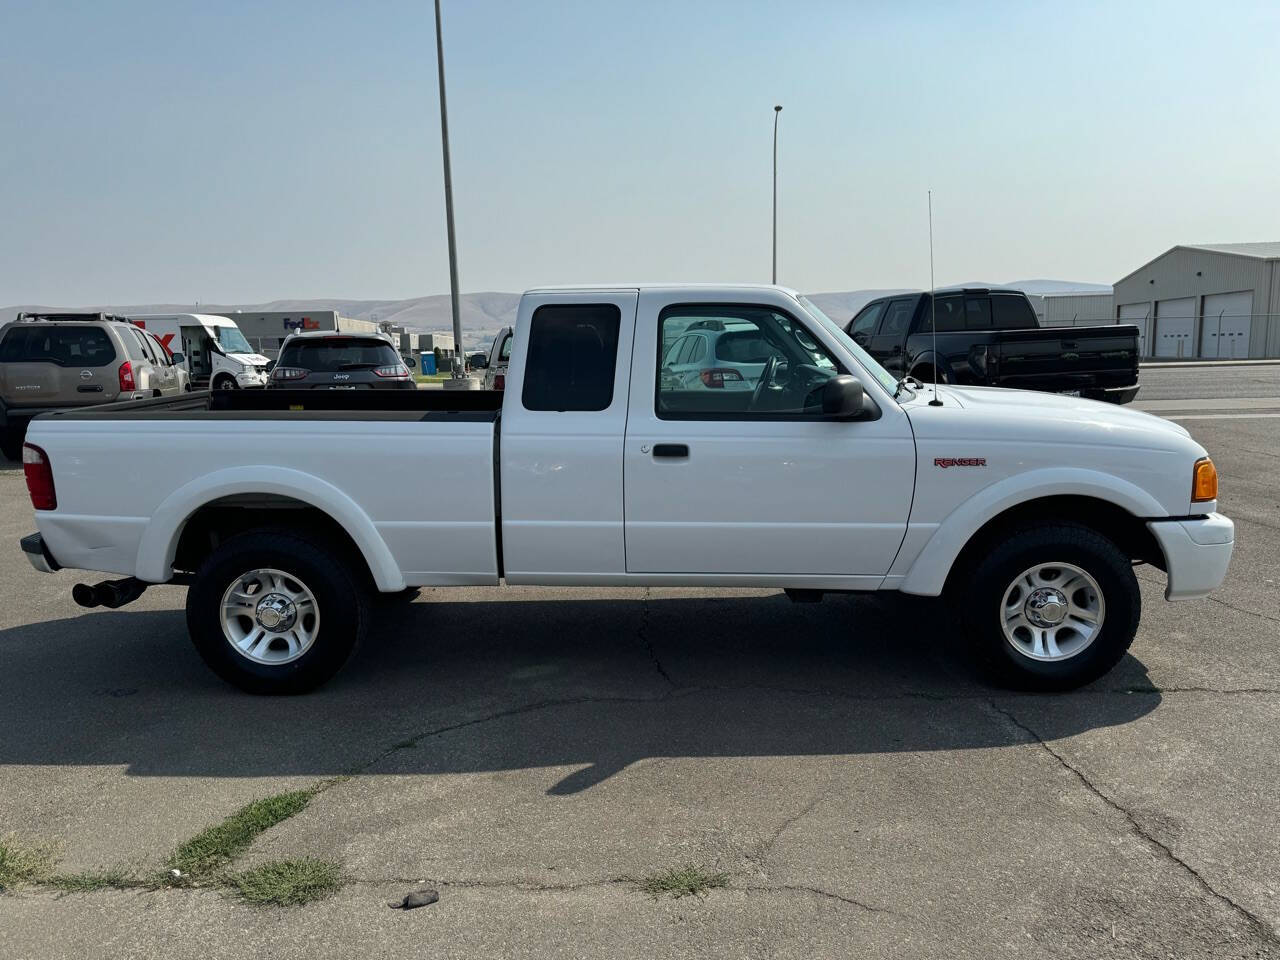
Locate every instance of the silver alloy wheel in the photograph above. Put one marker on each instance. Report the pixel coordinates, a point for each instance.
(1052, 611)
(269, 616)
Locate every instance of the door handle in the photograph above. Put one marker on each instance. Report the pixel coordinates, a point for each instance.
(673, 450)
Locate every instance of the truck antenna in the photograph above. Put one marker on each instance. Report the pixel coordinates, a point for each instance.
(933, 310)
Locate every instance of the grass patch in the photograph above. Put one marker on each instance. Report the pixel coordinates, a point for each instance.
(208, 852)
(115, 878)
(287, 883)
(24, 861)
(683, 881)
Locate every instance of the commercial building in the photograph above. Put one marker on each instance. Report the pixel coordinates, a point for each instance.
(1076, 309)
(266, 331)
(1217, 300)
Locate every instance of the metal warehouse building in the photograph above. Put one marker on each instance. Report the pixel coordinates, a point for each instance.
(1206, 300)
(1076, 309)
(266, 331)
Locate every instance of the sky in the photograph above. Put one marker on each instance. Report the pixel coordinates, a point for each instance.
(239, 152)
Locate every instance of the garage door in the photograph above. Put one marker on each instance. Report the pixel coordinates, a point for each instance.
(1138, 314)
(1225, 329)
(1175, 326)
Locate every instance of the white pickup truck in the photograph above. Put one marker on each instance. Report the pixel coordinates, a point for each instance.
(690, 435)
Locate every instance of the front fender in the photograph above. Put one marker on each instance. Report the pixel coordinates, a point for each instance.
(928, 572)
(160, 538)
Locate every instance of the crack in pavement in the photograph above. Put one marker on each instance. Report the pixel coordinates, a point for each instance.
(763, 849)
(1257, 926)
(818, 891)
(1251, 613)
(642, 634)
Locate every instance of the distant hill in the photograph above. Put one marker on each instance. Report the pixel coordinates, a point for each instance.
(483, 314)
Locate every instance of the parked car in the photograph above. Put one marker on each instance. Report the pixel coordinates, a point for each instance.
(991, 337)
(50, 361)
(215, 352)
(324, 360)
(495, 374)
(724, 354)
(284, 509)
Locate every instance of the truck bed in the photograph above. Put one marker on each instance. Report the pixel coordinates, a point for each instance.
(471, 405)
(409, 473)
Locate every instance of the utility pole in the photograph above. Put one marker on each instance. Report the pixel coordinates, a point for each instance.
(776, 110)
(459, 380)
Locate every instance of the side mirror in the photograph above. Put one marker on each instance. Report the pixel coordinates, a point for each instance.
(179, 358)
(842, 397)
(410, 362)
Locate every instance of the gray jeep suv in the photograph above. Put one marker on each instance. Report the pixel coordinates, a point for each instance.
(328, 360)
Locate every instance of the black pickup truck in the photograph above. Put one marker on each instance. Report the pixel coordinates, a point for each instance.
(991, 338)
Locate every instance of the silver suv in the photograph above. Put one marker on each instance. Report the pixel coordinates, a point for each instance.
(50, 361)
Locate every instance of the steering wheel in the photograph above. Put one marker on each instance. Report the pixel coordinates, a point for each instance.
(770, 367)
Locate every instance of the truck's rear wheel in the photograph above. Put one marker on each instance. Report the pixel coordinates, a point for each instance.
(1052, 607)
(273, 611)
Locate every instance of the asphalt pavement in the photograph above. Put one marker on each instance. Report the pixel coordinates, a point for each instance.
(533, 754)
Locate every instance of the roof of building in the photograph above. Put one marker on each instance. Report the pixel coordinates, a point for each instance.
(1259, 251)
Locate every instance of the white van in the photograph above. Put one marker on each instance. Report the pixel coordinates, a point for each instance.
(214, 350)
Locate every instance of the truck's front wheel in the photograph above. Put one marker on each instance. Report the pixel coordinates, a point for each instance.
(1052, 607)
(275, 612)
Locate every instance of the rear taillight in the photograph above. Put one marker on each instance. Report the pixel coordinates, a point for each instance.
(35, 465)
(288, 373)
(127, 383)
(717, 377)
(392, 371)
(499, 381)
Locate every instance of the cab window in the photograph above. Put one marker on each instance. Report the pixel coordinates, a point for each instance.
(977, 313)
(865, 322)
(947, 314)
(897, 317)
(573, 350)
(747, 362)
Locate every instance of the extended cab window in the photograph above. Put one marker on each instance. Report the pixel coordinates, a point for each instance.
(573, 349)
(1010, 312)
(947, 314)
(66, 346)
(977, 313)
(751, 361)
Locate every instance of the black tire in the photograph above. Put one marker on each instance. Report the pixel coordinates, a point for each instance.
(984, 593)
(225, 383)
(325, 570)
(11, 439)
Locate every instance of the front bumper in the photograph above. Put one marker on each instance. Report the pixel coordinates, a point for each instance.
(37, 552)
(1196, 553)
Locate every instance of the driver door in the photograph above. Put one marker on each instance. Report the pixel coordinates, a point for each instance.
(736, 474)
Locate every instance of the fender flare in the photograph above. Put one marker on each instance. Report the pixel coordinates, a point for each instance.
(929, 358)
(160, 538)
(928, 573)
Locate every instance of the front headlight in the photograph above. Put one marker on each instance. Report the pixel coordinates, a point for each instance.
(1204, 481)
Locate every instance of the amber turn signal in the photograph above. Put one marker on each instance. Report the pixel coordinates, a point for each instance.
(1204, 481)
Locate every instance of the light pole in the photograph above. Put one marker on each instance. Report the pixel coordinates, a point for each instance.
(459, 378)
(776, 110)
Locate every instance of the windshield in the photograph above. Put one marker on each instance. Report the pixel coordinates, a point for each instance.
(885, 378)
(231, 340)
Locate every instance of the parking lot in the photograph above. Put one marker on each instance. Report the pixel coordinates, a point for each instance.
(536, 754)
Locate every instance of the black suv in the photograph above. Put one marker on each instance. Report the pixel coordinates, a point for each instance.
(326, 360)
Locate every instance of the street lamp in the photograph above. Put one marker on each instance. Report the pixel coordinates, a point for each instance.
(776, 110)
(459, 379)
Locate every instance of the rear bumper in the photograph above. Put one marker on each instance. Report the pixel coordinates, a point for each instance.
(1113, 394)
(1196, 553)
(38, 554)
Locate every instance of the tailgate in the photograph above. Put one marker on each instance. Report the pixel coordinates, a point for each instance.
(47, 384)
(1066, 358)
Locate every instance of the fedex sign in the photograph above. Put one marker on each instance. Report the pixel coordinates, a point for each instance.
(302, 323)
